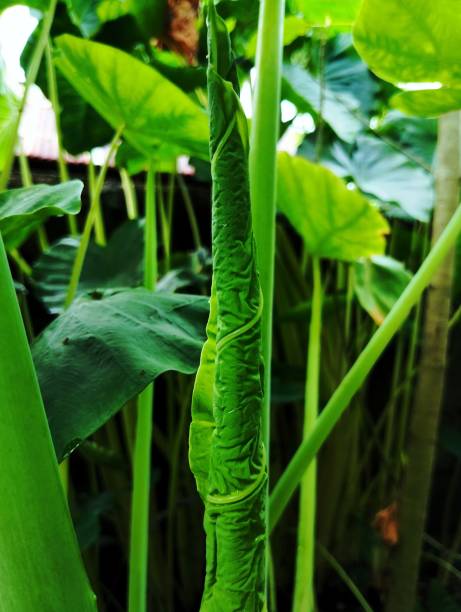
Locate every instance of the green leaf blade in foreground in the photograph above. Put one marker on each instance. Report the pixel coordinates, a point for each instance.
(23, 210)
(126, 92)
(334, 221)
(40, 564)
(226, 449)
(101, 353)
(325, 13)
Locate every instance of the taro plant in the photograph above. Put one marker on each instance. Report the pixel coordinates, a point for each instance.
(125, 292)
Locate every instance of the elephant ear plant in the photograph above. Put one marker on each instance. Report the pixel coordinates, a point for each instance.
(226, 450)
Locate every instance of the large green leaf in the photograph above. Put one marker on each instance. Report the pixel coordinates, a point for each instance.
(128, 93)
(414, 41)
(378, 283)
(100, 353)
(23, 210)
(381, 171)
(416, 136)
(335, 222)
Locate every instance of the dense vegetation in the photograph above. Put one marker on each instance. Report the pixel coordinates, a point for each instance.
(301, 444)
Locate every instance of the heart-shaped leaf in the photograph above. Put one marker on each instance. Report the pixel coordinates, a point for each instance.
(126, 92)
(335, 222)
(23, 210)
(100, 353)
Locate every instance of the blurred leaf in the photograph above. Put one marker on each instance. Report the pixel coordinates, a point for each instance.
(339, 108)
(381, 171)
(335, 222)
(324, 13)
(23, 210)
(115, 266)
(417, 43)
(90, 15)
(99, 354)
(128, 93)
(416, 135)
(428, 103)
(378, 284)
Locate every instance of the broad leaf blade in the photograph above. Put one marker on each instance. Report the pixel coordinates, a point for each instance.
(428, 103)
(100, 353)
(334, 221)
(324, 13)
(413, 41)
(127, 92)
(23, 210)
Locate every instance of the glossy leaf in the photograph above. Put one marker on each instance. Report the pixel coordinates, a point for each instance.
(378, 284)
(101, 353)
(23, 210)
(381, 171)
(335, 222)
(127, 92)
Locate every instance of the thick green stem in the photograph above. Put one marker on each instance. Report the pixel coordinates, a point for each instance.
(431, 379)
(140, 503)
(263, 144)
(86, 235)
(340, 400)
(30, 80)
(304, 596)
(40, 567)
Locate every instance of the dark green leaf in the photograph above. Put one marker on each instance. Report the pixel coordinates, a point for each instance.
(101, 353)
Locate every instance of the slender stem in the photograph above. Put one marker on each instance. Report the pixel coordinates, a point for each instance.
(341, 398)
(30, 80)
(262, 167)
(54, 99)
(190, 212)
(99, 229)
(304, 596)
(345, 578)
(85, 239)
(130, 195)
(164, 225)
(26, 180)
(140, 503)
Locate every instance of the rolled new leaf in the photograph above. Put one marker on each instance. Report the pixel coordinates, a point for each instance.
(226, 449)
